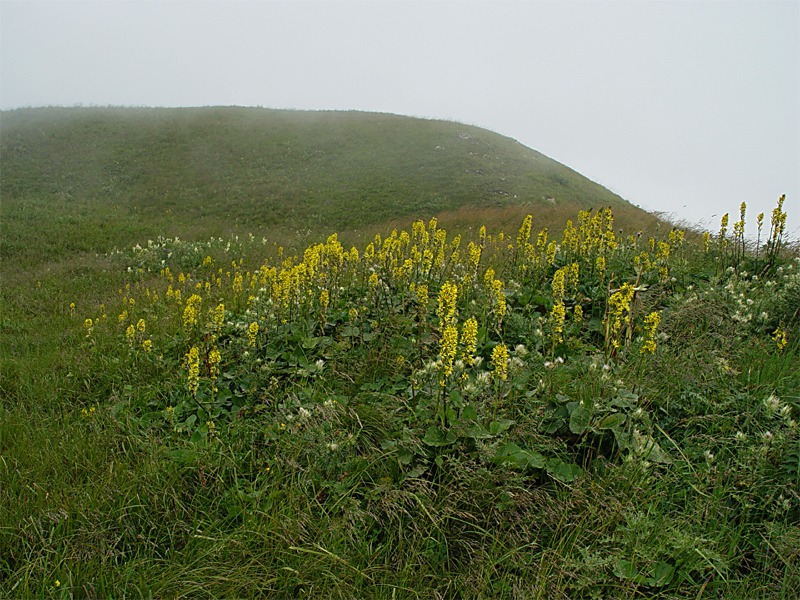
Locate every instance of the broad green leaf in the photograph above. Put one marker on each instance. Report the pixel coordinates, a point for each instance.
(436, 437)
(580, 418)
(530, 459)
(624, 569)
(521, 458)
(612, 421)
(310, 342)
(477, 432)
(554, 426)
(496, 427)
(566, 472)
(469, 414)
(661, 574)
(455, 399)
(506, 453)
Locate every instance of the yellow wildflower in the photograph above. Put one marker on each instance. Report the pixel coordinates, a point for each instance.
(193, 365)
(779, 336)
(323, 300)
(500, 362)
(651, 322)
(447, 302)
(447, 350)
(469, 337)
(578, 313)
(422, 294)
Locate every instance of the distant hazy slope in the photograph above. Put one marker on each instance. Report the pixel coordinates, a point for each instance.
(266, 167)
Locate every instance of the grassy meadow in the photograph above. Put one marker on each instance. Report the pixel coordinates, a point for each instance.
(473, 399)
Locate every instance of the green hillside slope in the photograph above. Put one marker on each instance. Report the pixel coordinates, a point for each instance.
(118, 173)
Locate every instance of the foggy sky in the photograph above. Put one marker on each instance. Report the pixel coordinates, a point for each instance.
(683, 107)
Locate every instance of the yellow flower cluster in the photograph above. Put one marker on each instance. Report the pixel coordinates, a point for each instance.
(779, 337)
(252, 332)
(218, 317)
(193, 366)
(422, 294)
(558, 315)
(469, 338)
(500, 362)
(617, 315)
(447, 351)
(191, 311)
(448, 295)
(651, 322)
(214, 358)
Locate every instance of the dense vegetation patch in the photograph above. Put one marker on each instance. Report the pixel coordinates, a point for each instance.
(594, 414)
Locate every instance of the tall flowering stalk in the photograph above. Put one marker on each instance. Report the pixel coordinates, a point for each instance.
(651, 322)
(617, 316)
(193, 366)
(500, 372)
(469, 338)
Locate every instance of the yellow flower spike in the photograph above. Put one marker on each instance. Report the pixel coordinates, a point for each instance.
(651, 322)
(552, 249)
(663, 251)
(500, 306)
(324, 298)
(559, 315)
(541, 239)
(140, 326)
(500, 362)
(252, 332)
(422, 294)
(447, 350)
(600, 265)
(192, 311)
(193, 365)
(130, 333)
(488, 277)
(558, 285)
(147, 345)
(447, 302)
(469, 338)
(237, 283)
(524, 232)
(214, 358)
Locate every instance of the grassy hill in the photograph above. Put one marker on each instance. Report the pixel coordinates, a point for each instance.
(93, 177)
(440, 411)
